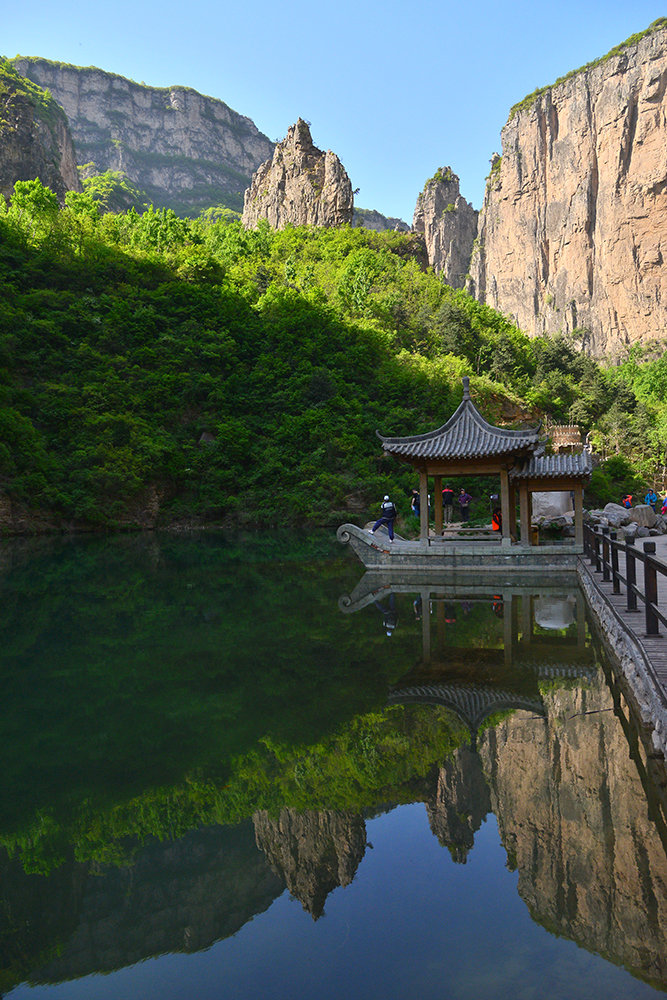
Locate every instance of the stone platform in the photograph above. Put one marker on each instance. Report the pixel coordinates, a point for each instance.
(481, 554)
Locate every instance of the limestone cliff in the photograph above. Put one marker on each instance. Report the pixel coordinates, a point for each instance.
(300, 185)
(573, 231)
(35, 139)
(449, 225)
(185, 150)
(314, 852)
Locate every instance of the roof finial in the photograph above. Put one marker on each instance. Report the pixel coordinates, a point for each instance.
(466, 387)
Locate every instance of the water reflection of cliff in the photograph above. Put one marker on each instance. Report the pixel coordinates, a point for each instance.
(313, 852)
(580, 815)
(177, 896)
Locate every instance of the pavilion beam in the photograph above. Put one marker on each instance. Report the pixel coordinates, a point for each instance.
(437, 504)
(423, 504)
(505, 506)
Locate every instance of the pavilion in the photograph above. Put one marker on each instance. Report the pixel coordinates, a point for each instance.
(468, 445)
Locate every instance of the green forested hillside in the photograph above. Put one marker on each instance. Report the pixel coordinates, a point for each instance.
(224, 374)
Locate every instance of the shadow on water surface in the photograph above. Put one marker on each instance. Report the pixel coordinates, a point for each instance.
(192, 725)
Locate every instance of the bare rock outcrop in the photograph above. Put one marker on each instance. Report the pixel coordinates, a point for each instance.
(449, 225)
(299, 186)
(573, 231)
(35, 140)
(369, 218)
(184, 150)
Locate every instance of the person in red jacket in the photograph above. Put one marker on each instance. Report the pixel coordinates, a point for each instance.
(447, 503)
(497, 519)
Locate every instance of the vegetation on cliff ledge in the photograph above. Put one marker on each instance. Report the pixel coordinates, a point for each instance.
(530, 99)
(151, 363)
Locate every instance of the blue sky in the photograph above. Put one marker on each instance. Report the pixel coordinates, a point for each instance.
(395, 89)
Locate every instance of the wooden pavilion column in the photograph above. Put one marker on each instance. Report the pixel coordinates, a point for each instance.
(579, 514)
(524, 514)
(437, 504)
(512, 510)
(423, 504)
(505, 506)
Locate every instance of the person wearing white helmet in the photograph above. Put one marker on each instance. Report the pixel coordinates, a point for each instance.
(388, 515)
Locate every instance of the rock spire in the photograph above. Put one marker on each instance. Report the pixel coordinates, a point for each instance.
(449, 226)
(300, 185)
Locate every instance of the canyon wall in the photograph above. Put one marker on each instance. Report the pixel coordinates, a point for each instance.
(35, 140)
(573, 230)
(185, 150)
(299, 186)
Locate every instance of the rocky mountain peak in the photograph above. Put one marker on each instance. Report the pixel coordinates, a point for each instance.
(449, 226)
(300, 186)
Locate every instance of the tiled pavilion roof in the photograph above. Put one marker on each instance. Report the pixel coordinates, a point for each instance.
(466, 435)
(561, 466)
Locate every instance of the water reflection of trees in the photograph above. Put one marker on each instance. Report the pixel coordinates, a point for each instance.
(109, 882)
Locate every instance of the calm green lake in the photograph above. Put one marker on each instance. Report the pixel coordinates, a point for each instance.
(238, 768)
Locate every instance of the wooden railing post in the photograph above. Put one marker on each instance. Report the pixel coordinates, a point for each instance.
(616, 583)
(630, 573)
(596, 550)
(605, 553)
(650, 590)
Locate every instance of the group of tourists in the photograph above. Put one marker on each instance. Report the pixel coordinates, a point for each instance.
(463, 501)
(651, 500)
(388, 512)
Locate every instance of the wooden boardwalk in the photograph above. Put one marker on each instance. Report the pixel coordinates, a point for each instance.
(655, 647)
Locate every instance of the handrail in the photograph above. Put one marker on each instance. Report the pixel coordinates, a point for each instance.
(602, 548)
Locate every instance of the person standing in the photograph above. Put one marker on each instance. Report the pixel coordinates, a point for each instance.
(388, 515)
(447, 503)
(651, 498)
(464, 504)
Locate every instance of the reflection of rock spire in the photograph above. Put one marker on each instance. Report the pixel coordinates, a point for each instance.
(314, 852)
(460, 804)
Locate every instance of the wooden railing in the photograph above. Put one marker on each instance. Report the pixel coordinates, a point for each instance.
(602, 547)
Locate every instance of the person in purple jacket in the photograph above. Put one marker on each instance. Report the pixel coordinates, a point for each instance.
(464, 504)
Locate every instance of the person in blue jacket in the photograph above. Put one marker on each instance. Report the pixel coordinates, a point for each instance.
(651, 498)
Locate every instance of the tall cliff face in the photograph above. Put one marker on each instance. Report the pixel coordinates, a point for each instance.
(35, 139)
(449, 225)
(299, 186)
(573, 232)
(186, 151)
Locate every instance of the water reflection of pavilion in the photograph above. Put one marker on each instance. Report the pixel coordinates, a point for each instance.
(543, 638)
